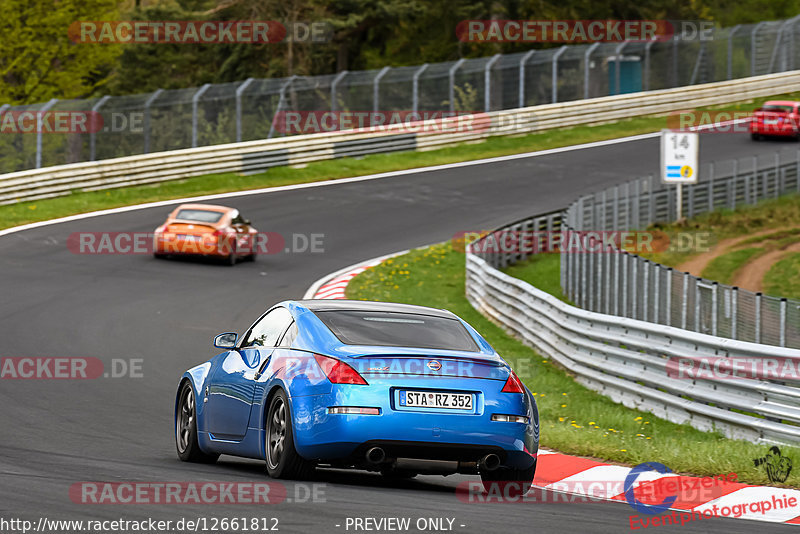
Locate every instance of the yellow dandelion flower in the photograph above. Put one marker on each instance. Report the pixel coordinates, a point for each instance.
(638, 419)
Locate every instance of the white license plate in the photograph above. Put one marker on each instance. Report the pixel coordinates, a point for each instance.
(770, 121)
(436, 399)
(190, 237)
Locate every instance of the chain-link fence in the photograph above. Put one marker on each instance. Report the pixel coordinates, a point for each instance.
(608, 280)
(241, 111)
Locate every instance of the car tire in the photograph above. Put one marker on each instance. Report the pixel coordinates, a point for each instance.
(282, 458)
(230, 260)
(755, 137)
(159, 256)
(186, 429)
(512, 483)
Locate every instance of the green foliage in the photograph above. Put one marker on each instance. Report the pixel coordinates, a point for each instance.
(38, 61)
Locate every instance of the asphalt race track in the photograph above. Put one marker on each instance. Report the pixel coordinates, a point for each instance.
(57, 303)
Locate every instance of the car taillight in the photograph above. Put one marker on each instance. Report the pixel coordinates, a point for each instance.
(339, 372)
(513, 385)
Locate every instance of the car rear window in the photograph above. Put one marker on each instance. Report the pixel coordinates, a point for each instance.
(199, 215)
(393, 329)
(777, 108)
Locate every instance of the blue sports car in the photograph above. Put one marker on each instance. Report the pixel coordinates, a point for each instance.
(394, 388)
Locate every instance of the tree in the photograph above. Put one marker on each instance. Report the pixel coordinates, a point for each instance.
(38, 61)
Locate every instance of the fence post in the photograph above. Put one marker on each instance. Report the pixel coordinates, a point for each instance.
(777, 174)
(239, 91)
(714, 305)
(753, 35)
(376, 88)
(39, 129)
(616, 281)
(634, 285)
(645, 287)
(415, 87)
(93, 134)
(783, 322)
(334, 85)
(696, 304)
(734, 309)
(636, 205)
(618, 66)
(195, 100)
(554, 74)
(651, 207)
(625, 283)
(668, 296)
(607, 290)
(735, 184)
(583, 276)
(452, 78)
(690, 211)
(281, 100)
(487, 82)
(730, 50)
(587, 56)
(615, 222)
(522, 62)
(758, 317)
(711, 186)
(656, 290)
(685, 303)
(148, 103)
(647, 65)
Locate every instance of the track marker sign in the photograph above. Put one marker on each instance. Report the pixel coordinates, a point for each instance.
(680, 161)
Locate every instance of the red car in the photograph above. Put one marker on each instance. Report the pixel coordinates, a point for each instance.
(206, 230)
(776, 117)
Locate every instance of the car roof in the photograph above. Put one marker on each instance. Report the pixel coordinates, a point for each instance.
(207, 207)
(319, 305)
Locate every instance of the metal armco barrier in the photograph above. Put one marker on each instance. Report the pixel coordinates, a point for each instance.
(627, 360)
(628, 285)
(254, 156)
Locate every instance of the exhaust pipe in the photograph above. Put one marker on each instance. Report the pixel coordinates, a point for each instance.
(490, 462)
(375, 455)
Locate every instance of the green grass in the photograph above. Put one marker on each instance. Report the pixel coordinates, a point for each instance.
(81, 202)
(782, 278)
(723, 267)
(574, 419)
(542, 271)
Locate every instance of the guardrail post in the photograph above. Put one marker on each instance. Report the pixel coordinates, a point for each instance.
(668, 296)
(685, 302)
(147, 105)
(783, 322)
(734, 310)
(730, 50)
(334, 84)
(195, 100)
(522, 76)
(587, 56)
(554, 74)
(758, 317)
(239, 91)
(415, 87)
(487, 82)
(452, 77)
(93, 133)
(39, 115)
(376, 88)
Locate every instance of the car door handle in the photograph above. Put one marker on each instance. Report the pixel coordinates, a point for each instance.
(261, 369)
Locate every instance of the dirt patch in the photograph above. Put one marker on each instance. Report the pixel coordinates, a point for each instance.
(751, 275)
(696, 264)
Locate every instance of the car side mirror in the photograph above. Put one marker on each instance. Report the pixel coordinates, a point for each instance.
(226, 340)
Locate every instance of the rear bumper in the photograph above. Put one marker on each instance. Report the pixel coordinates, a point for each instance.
(783, 130)
(416, 434)
(189, 247)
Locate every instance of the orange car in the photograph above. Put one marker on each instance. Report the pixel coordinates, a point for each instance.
(206, 230)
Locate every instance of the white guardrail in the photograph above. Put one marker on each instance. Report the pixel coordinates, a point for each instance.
(254, 156)
(633, 361)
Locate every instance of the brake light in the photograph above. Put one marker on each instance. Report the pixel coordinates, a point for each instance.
(513, 385)
(339, 372)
